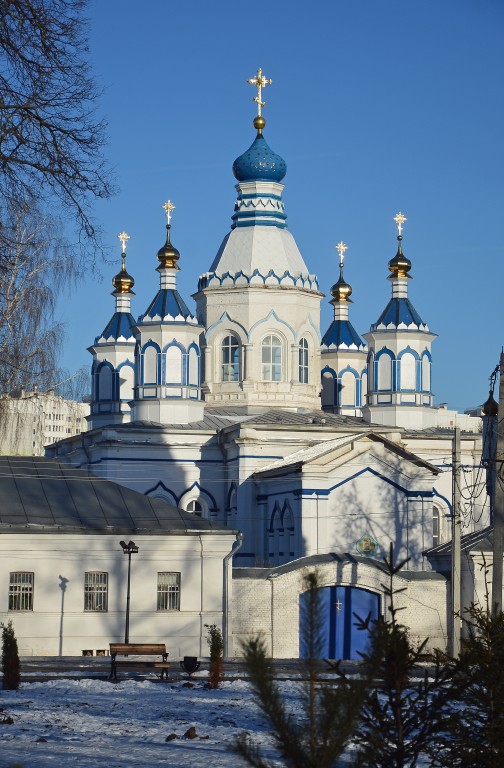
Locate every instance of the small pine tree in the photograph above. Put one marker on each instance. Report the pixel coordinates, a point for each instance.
(406, 707)
(329, 709)
(214, 640)
(10, 658)
(475, 731)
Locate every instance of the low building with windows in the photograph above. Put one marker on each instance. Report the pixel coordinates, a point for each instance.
(245, 414)
(64, 573)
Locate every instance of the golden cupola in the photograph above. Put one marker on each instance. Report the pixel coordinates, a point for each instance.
(123, 282)
(168, 255)
(341, 291)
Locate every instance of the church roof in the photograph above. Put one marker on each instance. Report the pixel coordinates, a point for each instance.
(39, 494)
(169, 305)
(306, 455)
(477, 541)
(341, 333)
(118, 328)
(399, 312)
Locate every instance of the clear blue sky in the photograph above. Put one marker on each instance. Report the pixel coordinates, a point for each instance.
(376, 105)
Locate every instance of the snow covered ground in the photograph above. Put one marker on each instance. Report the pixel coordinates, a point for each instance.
(97, 724)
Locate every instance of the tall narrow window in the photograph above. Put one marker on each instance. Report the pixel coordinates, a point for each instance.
(150, 366)
(173, 365)
(168, 591)
(271, 358)
(230, 366)
(436, 527)
(303, 361)
(21, 591)
(95, 591)
(105, 384)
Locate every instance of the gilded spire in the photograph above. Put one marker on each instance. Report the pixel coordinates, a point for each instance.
(399, 265)
(123, 282)
(341, 291)
(259, 82)
(168, 254)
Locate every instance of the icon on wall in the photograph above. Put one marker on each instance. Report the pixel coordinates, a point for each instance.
(367, 546)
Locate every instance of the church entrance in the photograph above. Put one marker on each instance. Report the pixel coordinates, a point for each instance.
(342, 639)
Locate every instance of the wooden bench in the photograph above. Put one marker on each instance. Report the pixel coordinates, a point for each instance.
(138, 649)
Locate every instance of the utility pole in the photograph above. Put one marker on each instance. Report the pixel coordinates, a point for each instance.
(456, 555)
(498, 525)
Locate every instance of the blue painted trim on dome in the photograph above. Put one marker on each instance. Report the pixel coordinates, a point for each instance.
(342, 332)
(241, 224)
(120, 324)
(166, 302)
(399, 311)
(259, 215)
(258, 195)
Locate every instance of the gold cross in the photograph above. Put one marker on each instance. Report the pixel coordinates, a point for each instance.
(259, 82)
(168, 208)
(399, 219)
(341, 248)
(123, 237)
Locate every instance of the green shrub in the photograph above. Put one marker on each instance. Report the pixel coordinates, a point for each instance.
(214, 640)
(10, 658)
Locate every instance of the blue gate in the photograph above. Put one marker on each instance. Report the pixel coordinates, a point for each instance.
(341, 637)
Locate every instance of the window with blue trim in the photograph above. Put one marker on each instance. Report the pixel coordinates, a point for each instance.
(150, 366)
(173, 362)
(408, 371)
(271, 358)
(105, 383)
(230, 359)
(303, 361)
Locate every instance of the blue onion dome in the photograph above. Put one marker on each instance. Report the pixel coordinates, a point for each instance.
(168, 255)
(259, 162)
(399, 265)
(123, 282)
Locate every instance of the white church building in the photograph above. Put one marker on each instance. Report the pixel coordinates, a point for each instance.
(320, 445)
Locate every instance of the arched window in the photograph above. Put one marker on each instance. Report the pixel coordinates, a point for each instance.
(195, 507)
(271, 358)
(105, 383)
(126, 374)
(436, 527)
(193, 367)
(173, 362)
(384, 373)
(303, 361)
(328, 382)
(408, 371)
(230, 359)
(150, 366)
(364, 389)
(426, 371)
(347, 388)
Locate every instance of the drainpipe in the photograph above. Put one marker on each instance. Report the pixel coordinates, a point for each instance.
(225, 592)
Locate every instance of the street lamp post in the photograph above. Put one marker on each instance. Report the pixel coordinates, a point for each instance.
(128, 549)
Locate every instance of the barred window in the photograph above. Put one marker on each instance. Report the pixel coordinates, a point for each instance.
(21, 591)
(168, 591)
(95, 591)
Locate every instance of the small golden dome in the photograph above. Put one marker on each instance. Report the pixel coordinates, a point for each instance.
(399, 265)
(259, 123)
(341, 291)
(123, 282)
(491, 407)
(168, 254)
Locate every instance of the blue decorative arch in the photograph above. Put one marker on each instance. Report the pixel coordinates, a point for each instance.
(272, 313)
(286, 512)
(160, 490)
(125, 364)
(222, 319)
(212, 506)
(275, 514)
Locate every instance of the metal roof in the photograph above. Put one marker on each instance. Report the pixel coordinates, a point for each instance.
(40, 494)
